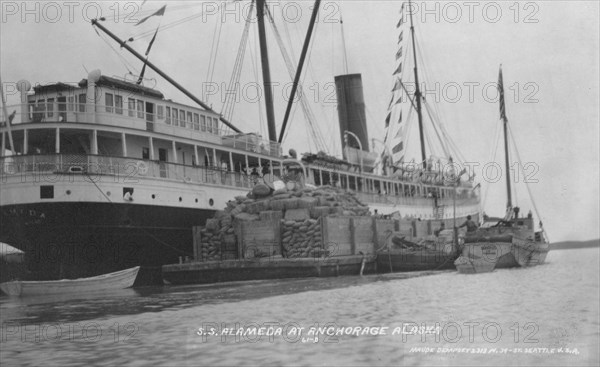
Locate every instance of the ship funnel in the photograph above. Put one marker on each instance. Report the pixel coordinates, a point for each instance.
(351, 110)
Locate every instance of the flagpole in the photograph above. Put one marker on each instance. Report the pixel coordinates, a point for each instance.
(8, 127)
(505, 123)
(417, 90)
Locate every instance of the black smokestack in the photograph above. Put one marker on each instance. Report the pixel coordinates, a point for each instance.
(351, 109)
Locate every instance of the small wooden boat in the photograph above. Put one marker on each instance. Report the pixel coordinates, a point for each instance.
(529, 253)
(470, 265)
(402, 254)
(117, 280)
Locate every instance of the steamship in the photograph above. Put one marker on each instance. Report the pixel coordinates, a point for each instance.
(107, 174)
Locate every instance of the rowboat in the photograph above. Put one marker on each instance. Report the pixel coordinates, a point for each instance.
(111, 281)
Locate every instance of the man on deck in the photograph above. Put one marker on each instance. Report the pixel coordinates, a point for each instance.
(471, 226)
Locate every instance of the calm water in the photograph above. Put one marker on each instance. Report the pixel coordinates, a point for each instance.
(548, 315)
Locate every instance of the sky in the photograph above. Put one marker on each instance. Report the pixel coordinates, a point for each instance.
(548, 50)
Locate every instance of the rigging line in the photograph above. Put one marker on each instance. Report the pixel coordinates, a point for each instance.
(141, 13)
(127, 64)
(492, 154)
(253, 57)
(142, 228)
(210, 59)
(177, 22)
(230, 98)
(146, 34)
(435, 128)
(344, 44)
(514, 143)
(315, 132)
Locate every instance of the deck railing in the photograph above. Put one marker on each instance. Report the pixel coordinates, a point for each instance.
(96, 167)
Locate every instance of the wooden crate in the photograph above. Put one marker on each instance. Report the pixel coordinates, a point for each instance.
(337, 236)
(262, 236)
(363, 234)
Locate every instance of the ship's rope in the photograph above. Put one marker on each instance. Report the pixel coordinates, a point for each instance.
(214, 50)
(314, 129)
(123, 59)
(491, 158)
(158, 240)
(253, 58)
(535, 208)
(230, 101)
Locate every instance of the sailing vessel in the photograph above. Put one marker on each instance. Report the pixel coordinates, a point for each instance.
(506, 242)
(107, 173)
(437, 248)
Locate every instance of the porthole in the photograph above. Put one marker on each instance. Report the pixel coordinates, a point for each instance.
(68, 192)
(196, 200)
(180, 199)
(211, 202)
(153, 196)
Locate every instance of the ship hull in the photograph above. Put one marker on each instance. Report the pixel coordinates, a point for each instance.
(82, 239)
(408, 260)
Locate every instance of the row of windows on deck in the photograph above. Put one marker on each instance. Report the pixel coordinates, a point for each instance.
(324, 177)
(135, 107)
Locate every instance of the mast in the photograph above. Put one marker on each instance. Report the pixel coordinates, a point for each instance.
(161, 73)
(311, 26)
(418, 90)
(264, 57)
(505, 123)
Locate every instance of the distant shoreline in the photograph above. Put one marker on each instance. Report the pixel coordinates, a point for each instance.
(568, 245)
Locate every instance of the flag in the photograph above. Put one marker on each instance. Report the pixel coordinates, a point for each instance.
(501, 94)
(399, 53)
(387, 120)
(401, 16)
(152, 41)
(398, 70)
(159, 12)
(400, 36)
(398, 148)
(398, 134)
(141, 78)
(397, 85)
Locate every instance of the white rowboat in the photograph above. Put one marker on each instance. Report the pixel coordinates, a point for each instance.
(111, 281)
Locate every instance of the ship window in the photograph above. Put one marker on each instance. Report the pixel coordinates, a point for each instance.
(216, 125)
(40, 109)
(109, 102)
(182, 118)
(50, 107)
(145, 153)
(317, 177)
(203, 123)
(168, 116)
(46, 192)
(160, 112)
(71, 103)
(140, 109)
(31, 109)
(209, 124)
(175, 117)
(352, 182)
(196, 122)
(131, 106)
(189, 119)
(82, 102)
(119, 104)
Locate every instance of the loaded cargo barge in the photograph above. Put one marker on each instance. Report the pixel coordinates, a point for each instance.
(301, 232)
